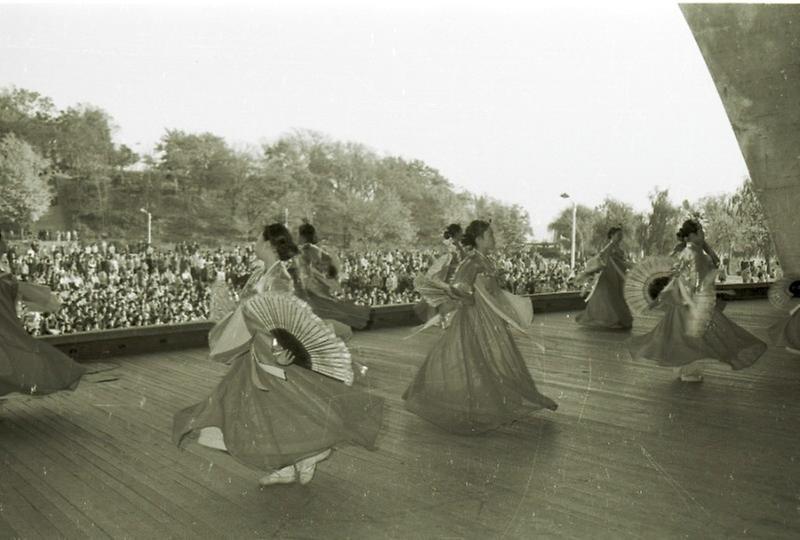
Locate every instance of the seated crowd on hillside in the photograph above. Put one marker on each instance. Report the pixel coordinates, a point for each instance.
(104, 286)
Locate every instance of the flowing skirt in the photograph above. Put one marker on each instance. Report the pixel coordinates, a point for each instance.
(606, 306)
(30, 366)
(669, 345)
(269, 423)
(474, 379)
(786, 332)
(325, 307)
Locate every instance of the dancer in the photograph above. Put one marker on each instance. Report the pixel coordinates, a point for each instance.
(266, 414)
(443, 269)
(605, 305)
(475, 379)
(674, 342)
(318, 273)
(28, 365)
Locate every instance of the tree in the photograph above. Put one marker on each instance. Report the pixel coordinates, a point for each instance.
(24, 190)
(338, 183)
(662, 224)
(511, 224)
(31, 117)
(614, 213)
(584, 230)
(426, 193)
(124, 157)
(719, 223)
(384, 222)
(196, 163)
(84, 146)
(752, 234)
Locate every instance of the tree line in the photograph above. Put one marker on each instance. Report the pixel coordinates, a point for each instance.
(735, 224)
(197, 185)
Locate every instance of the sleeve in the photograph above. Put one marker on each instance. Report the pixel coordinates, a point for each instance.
(686, 272)
(285, 280)
(229, 337)
(439, 268)
(464, 278)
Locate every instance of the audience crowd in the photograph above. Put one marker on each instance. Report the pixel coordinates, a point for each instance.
(110, 285)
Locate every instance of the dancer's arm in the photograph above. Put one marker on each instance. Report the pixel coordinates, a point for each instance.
(711, 253)
(607, 247)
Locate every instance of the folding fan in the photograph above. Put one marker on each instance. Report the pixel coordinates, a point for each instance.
(434, 291)
(307, 340)
(784, 294)
(222, 301)
(645, 281)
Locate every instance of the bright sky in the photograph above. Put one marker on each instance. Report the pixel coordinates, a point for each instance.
(521, 101)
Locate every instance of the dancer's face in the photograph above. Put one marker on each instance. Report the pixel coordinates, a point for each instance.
(264, 251)
(454, 240)
(485, 242)
(697, 237)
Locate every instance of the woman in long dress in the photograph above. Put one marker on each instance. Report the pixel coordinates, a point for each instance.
(319, 272)
(605, 305)
(672, 342)
(283, 419)
(28, 365)
(443, 269)
(475, 379)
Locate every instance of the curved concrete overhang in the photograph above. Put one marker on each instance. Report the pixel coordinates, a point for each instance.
(753, 54)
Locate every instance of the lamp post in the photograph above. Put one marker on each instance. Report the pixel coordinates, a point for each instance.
(574, 221)
(149, 225)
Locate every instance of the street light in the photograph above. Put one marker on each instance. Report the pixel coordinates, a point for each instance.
(149, 225)
(574, 220)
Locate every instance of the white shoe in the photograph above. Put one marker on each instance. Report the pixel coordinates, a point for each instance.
(287, 475)
(307, 467)
(691, 378)
(793, 351)
(211, 437)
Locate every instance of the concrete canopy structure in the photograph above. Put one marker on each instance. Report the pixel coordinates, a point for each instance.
(753, 54)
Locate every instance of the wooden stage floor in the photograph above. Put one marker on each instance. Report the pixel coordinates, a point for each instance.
(630, 453)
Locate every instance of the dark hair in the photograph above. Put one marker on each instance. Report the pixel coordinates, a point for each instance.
(452, 230)
(613, 230)
(794, 288)
(689, 226)
(655, 287)
(307, 233)
(474, 230)
(281, 240)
